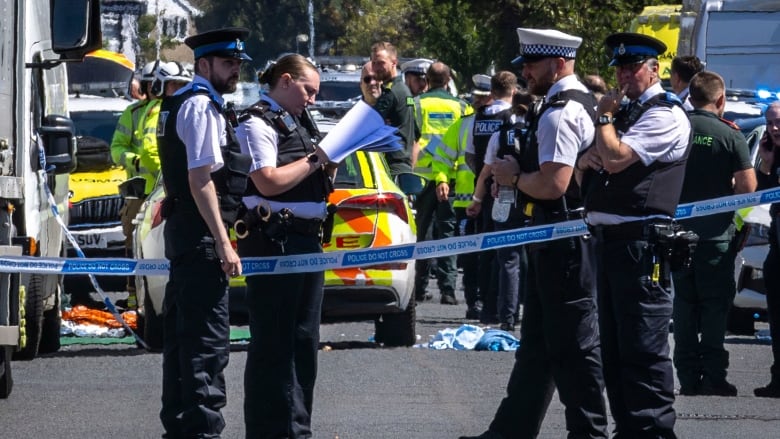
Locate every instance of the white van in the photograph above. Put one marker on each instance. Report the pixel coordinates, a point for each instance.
(738, 39)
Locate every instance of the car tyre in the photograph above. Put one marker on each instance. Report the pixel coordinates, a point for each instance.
(33, 318)
(6, 381)
(397, 329)
(151, 323)
(50, 328)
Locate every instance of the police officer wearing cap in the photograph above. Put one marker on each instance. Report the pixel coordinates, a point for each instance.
(559, 332)
(488, 120)
(288, 181)
(632, 184)
(205, 175)
(414, 75)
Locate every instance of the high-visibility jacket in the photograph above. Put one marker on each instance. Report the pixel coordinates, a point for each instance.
(449, 161)
(149, 159)
(438, 111)
(126, 142)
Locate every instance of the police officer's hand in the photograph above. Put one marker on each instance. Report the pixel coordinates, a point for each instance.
(504, 170)
(610, 102)
(231, 263)
(473, 209)
(442, 191)
(590, 159)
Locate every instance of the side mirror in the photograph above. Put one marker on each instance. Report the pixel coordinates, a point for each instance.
(75, 27)
(59, 143)
(410, 183)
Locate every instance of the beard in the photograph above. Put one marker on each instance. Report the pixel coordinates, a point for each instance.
(225, 85)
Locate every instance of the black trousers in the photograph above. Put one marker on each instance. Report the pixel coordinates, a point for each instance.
(429, 211)
(559, 347)
(772, 281)
(634, 315)
(284, 324)
(468, 261)
(196, 347)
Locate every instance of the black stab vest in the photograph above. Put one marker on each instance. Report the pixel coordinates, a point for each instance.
(638, 190)
(484, 126)
(294, 143)
(522, 143)
(230, 180)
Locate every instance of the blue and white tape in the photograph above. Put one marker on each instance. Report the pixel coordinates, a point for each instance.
(372, 256)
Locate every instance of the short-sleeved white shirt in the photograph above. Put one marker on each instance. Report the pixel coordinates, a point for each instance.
(201, 127)
(258, 139)
(661, 133)
(564, 131)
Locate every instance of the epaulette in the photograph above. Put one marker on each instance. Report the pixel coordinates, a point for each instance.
(731, 124)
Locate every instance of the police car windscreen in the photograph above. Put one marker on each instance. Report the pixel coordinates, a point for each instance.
(338, 91)
(100, 124)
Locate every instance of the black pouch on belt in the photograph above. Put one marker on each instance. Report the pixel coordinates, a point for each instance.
(327, 225)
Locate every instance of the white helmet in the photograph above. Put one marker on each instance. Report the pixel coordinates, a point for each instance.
(168, 71)
(147, 73)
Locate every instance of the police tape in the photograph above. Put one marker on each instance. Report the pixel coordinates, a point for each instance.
(340, 259)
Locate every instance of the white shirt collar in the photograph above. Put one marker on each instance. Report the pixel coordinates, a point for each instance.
(566, 83)
(651, 91)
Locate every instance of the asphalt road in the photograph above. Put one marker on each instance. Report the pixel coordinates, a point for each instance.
(363, 391)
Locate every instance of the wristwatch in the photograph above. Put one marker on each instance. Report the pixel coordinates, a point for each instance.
(605, 119)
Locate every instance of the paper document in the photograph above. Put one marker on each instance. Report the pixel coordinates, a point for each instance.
(362, 128)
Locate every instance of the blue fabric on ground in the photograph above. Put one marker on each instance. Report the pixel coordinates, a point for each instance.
(470, 337)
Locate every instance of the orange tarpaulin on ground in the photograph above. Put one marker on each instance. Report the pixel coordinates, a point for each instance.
(81, 314)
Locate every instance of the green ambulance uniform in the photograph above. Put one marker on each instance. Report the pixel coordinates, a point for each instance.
(703, 293)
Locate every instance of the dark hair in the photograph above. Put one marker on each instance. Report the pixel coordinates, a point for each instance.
(503, 84)
(438, 75)
(293, 63)
(686, 66)
(522, 101)
(705, 88)
(595, 84)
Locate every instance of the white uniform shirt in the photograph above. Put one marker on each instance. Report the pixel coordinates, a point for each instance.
(260, 141)
(201, 127)
(564, 131)
(661, 133)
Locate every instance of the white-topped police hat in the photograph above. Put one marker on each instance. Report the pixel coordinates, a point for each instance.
(536, 44)
(417, 66)
(481, 84)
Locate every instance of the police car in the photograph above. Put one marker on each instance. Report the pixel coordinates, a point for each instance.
(371, 212)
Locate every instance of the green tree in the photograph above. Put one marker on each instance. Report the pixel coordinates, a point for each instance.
(147, 32)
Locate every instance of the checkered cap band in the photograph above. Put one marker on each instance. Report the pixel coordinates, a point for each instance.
(548, 50)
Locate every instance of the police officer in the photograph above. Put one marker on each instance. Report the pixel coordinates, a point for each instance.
(769, 177)
(634, 179)
(205, 175)
(414, 72)
(438, 111)
(286, 208)
(449, 164)
(718, 165)
(560, 342)
(487, 121)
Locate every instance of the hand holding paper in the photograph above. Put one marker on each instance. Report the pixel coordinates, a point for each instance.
(362, 128)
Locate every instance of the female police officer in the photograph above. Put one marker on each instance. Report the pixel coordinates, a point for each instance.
(287, 206)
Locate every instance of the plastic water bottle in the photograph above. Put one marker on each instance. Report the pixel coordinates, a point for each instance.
(503, 203)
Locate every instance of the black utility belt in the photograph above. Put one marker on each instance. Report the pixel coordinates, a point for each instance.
(537, 214)
(668, 238)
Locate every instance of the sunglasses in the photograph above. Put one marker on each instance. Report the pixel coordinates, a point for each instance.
(368, 79)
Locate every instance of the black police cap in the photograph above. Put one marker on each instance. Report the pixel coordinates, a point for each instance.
(226, 42)
(631, 48)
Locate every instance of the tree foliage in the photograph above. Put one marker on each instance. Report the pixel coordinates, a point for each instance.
(472, 36)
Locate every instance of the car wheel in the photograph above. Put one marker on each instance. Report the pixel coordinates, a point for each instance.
(33, 318)
(50, 328)
(152, 323)
(397, 329)
(6, 381)
(740, 321)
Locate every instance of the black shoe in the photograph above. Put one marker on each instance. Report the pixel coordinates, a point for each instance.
(472, 313)
(771, 390)
(720, 388)
(423, 297)
(486, 435)
(448, 299)
(487, 319)
(509, 327)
